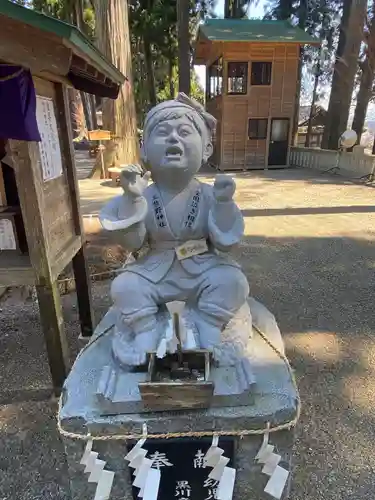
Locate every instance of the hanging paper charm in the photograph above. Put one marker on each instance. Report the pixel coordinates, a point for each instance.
(97, 474)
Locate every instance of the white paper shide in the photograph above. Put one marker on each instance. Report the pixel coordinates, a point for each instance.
(49, 146)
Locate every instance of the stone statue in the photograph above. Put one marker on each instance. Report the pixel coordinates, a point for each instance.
(190, 228)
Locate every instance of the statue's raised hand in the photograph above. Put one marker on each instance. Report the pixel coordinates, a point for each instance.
(132, 181)
(224, 188)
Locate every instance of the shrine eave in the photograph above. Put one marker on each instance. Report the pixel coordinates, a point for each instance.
(46, 45)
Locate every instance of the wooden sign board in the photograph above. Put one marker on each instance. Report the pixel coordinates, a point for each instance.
(99, 135)
(3, 198)
(180, 462)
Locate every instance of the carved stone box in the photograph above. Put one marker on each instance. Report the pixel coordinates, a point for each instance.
(173, 387)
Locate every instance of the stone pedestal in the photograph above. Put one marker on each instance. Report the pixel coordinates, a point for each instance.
(274, 401)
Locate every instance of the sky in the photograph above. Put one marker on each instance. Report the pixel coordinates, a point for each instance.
(254, 11)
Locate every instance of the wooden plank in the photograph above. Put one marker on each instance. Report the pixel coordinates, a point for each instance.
(63, 119)
(57, 206)
(174, 396)
(29, 184)
(65, 256)
(99, 135)
(47, 52)
(52, 322)
(80, 268)
(3, 198)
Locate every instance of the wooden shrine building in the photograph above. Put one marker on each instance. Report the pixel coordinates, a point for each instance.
(251, 88)
(41, 229)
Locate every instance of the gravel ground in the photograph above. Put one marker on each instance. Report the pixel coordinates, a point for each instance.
(309, 255)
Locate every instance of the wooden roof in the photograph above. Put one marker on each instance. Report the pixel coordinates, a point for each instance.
(248, 30)
(49, 47)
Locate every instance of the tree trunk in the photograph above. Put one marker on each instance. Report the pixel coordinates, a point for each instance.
(351, 36)
(170, 76)
(149, 71)
(367, 78)
(94, 119)
(119, 116)
(78, 11)
(183, 13)
(363, 99)
(302, 16)
(86, 110)
(312, 109)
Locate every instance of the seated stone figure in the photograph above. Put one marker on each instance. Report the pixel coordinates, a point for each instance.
(189, 227)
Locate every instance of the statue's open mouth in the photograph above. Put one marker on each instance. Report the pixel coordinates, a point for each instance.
(173, 151)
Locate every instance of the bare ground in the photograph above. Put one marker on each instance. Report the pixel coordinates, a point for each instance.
(309, 255)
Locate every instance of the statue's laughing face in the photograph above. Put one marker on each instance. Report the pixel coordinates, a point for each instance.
(176, 144)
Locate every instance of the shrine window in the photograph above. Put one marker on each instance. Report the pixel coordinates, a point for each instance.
(261, 73)
(237, 78)
(258, 128)
(215, 79)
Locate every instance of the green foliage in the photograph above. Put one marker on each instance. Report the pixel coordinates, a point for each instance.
(152, 22)
(320, 18)
(155, 22)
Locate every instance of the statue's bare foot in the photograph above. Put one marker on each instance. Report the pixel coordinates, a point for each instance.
(126, 352)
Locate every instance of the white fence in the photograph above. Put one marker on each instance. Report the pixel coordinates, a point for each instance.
(353, 165)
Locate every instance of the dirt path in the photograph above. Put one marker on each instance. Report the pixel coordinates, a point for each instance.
(309, 255)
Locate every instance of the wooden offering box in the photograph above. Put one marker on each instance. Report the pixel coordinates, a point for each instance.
(54, 58)
(174, 387)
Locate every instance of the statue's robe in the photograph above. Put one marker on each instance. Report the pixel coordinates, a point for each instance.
(164, 230)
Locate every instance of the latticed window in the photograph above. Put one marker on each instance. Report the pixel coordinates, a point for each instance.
(215, 79)
(237, 77)
(258, 128)
(261, 73)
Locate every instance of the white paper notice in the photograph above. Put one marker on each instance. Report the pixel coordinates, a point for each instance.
(49, 146)
(7, 238)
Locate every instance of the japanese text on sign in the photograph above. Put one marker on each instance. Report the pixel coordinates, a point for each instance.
(181, 462)
(49, 146)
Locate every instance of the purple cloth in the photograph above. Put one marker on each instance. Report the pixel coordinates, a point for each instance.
(17, 104)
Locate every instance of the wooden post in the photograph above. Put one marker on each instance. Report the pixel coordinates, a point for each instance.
(83, 290)
(80, 268)
(52, 323)
(29, 185)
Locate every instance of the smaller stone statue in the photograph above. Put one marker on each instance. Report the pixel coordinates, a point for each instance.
(190, 228)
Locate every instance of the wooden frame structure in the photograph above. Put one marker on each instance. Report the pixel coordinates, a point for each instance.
(251, 84)
(58, 56)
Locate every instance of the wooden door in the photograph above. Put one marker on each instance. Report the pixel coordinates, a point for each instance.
(278, 147)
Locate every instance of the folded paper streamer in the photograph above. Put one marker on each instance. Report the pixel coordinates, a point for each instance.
(168, 344)
(97, 474)
(220, 472)
(146, 478)
(270, 460)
